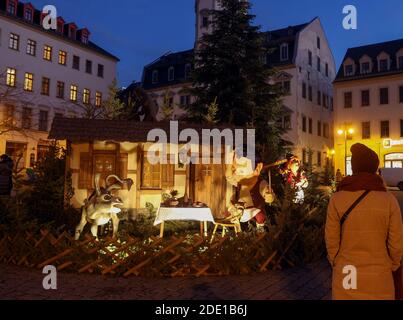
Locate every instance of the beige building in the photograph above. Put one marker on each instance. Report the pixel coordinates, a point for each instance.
(306, 66)
(369, 103)
(44, 74)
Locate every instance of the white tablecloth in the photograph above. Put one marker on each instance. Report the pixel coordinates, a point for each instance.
(195, 214)
(249, 214)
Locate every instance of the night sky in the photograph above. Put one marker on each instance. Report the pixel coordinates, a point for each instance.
(139, 31)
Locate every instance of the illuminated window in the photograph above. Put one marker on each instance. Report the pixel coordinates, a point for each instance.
(73, 92)
(62, 57)
(45, 86)
(86, 96)
(31, 47)
(14, 42)
(11, 77)
(98, 99)
(47, 53)
(29, 82)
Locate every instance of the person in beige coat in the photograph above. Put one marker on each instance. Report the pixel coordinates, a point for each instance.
(370, 239)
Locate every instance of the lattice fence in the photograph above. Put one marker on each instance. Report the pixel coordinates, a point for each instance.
(175, 256)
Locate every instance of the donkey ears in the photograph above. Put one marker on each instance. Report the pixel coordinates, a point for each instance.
(129, 183)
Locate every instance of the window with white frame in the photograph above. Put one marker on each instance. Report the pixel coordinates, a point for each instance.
(365, 67)
(284, 52)
(31, 47)
(383, 65)
(348, 70)
(14, 42)
(28, 14)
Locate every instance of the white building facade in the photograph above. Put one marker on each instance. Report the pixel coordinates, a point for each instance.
(306, 68)
(44, 74)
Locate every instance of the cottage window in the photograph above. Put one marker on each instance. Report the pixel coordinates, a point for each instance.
(156, 176)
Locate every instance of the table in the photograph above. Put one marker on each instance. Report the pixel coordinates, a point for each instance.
(203, 215)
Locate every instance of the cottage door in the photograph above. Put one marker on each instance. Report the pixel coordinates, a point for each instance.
(209, 187)
(104, 164)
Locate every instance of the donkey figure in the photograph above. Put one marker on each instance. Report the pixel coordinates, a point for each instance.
(102, 206)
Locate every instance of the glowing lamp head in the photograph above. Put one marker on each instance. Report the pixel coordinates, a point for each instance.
(351, 131)
(340, 132)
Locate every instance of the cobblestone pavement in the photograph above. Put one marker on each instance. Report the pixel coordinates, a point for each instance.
(310, 283)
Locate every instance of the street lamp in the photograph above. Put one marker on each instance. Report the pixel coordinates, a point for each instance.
(345, 132)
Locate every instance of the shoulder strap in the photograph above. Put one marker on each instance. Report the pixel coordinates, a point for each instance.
(355, 204)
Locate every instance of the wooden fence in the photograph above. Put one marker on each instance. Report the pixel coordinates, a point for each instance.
(176, 256)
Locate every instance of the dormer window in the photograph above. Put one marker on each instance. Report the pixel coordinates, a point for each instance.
(84, 38)
(155, 77)
(348, 70)
(365, 68)
(83, 35)
(12, 7)
(171, 74)
(383, 65)
(60, 25)
(28, 14)
(284, 52)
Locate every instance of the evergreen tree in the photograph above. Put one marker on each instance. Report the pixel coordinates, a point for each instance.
(113, 107)
(230, 68)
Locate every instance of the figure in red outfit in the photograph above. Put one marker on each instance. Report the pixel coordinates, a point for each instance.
(252, 191)
(294, 175)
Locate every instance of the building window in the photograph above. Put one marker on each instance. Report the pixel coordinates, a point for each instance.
(100, 70)
(45, 86)
(318, 42)
(88, 66)
(384, 129)
(11, 7)
(205, 22)
(14, 42)
(188, 70)
(310, 97)
(304, 124)
(31, 47)
(29, 82)
(150, 174)
(155, 77)
(43, 120)
(73, 93)
(86, 96)
(383, 65)
(310, 57)
(98, 99)
(327, 69)
(60, 90)
(384, 96)
(348, 99)
(348, 70)
(304, 90)
(319, 64)
(310, 126)
(171, 74)
(401, 94)
(11, 77)
(9, 116)
(62, 57)
(366, 130)
(400, 62)
(365, 68)
(365, 100)
(185, 101)
(26, 118)
(76, 62)
(324, 100)
(319, 98)
(319, 129)
(28, 14)
(326, 130)
(284, 52)
(47, 53)
(401, 128)
(319, 159)
(84, 38)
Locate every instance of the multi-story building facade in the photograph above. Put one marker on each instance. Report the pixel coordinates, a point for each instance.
(45, 73)
(369, 103)
(306, 69)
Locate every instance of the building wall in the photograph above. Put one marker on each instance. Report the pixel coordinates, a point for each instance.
(374, 113)
(39, 67)
(301, 73)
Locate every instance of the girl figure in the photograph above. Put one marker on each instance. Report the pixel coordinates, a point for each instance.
(294, 175)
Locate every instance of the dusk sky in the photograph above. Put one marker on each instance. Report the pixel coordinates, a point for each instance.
(139, 31)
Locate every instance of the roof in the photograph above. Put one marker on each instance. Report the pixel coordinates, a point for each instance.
(178, 60)
(372, 50)
(85, 130)
(37, 25)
